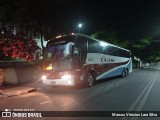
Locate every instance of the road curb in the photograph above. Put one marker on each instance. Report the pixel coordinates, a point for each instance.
(1, 92)
(16, 93)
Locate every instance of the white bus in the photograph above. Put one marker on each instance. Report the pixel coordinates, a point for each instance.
(76, 58)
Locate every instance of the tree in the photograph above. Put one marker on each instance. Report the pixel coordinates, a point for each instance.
(154, 58)
(39, 31)
(111, 37)
(17, 46)
(152, 52)
(30, 15)
(106, 36)
(138, 48)
(142, 43)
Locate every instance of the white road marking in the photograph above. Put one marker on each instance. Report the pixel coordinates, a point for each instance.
(141, 100)
(45, 102)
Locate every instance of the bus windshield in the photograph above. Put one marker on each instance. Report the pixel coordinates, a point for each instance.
(59, 56)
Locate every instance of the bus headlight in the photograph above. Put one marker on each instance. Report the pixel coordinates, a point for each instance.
(43, 77)
(66, 76)
(69, 82)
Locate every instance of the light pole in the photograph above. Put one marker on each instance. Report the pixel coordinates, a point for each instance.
(79, 27)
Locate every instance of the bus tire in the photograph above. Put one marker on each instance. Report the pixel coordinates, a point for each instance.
(90, 80)
(127, 72)
(123, 73)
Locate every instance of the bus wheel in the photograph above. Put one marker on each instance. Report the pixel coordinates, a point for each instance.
(127, 72)
(90, 80)
(123, 73)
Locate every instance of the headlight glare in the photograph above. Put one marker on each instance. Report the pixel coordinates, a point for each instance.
(44, 77)
(66, 76)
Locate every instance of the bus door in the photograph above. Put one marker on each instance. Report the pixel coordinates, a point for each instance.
(77, 63)
(76, 57)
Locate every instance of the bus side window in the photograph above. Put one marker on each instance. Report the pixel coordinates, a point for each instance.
(81, 43)
(109, 50)
(93, 46)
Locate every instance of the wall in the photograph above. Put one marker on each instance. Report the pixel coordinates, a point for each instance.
(19, 75)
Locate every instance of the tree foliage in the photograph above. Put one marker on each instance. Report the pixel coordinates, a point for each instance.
(139, 48)
(29, 15)
(17, 46)
(154, 58)
(110, 37)
(152, 52)
(143, 43)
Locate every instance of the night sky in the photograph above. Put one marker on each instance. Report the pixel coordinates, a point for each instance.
(130, 19)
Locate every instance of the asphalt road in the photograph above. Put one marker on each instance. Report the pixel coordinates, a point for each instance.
(137, 92)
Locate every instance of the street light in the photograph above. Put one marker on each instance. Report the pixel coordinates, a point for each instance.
(79, 26)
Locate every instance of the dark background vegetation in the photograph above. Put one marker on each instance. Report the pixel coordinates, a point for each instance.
(134, 25)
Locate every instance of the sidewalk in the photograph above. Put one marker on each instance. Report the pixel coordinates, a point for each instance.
(9, 91)
(15, 91)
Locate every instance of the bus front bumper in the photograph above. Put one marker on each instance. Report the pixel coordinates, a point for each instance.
(65, 81)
